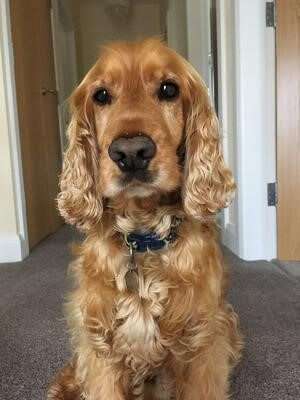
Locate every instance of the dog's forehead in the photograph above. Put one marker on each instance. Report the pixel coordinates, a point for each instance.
(138, 61)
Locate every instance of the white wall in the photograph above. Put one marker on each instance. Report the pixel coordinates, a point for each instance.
(251, 229)
(13, 231)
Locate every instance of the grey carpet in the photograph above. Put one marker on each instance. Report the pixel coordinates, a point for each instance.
(290, 267)
(34, 343)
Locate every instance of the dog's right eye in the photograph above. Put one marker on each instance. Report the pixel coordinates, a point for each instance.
(168, 91)
(102, 97)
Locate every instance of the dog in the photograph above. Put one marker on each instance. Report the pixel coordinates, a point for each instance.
(143, 178)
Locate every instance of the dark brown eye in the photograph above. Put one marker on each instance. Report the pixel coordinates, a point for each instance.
(168, 91)
(102, 96)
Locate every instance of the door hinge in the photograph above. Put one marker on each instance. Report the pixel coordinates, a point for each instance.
(270, 14)
(272, 194)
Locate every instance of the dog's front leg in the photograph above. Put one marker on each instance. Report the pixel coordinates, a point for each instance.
(91, 317)
(103, 380)
(207, 376)
(64, 385)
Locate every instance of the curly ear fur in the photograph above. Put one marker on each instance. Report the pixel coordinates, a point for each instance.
(208, 185)
(79, 201)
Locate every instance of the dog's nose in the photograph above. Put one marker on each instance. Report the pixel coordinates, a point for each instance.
(133, 152)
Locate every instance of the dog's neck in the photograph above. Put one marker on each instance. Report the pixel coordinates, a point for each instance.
(153, 213)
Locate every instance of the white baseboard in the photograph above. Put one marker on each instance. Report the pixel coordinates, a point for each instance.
(11, 248)
(229, 238)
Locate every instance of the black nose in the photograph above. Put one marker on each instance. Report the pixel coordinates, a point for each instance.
(132, 153)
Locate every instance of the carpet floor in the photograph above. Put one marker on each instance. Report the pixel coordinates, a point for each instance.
(34, 342)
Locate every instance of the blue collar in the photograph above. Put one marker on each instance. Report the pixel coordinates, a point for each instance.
(142, 242)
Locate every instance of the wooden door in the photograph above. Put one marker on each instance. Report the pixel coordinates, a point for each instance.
(37, 108)
(288, 128)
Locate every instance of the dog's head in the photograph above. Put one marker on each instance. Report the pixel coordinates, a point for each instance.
(142, 124)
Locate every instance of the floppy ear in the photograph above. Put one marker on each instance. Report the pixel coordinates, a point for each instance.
(209, 184)
(79, 200)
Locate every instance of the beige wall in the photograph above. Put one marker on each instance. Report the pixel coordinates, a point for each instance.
(95, 24)
(8, 220)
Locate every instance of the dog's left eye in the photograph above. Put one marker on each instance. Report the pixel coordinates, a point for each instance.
(168, 91)
(102, 96)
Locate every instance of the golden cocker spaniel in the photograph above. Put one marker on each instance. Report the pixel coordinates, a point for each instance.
(143, 178)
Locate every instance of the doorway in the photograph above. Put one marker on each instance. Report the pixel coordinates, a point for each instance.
(55, 42)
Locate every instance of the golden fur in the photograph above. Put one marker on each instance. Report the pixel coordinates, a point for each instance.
(176, 337)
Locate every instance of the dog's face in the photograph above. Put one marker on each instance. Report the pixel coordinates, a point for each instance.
(137, 103)
(136, 94)
(137, 114)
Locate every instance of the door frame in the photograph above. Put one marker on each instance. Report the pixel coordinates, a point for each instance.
(252, 234)
(20, 248)
(67, 38)
(256, 128)
(229, 234)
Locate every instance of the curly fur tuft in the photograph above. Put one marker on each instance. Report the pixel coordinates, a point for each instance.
(209, 185)
(79, 200)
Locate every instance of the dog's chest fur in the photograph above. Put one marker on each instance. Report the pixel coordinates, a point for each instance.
(137, 338)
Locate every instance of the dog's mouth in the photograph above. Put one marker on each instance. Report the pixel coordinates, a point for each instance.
(137, 183)
(137, 176)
